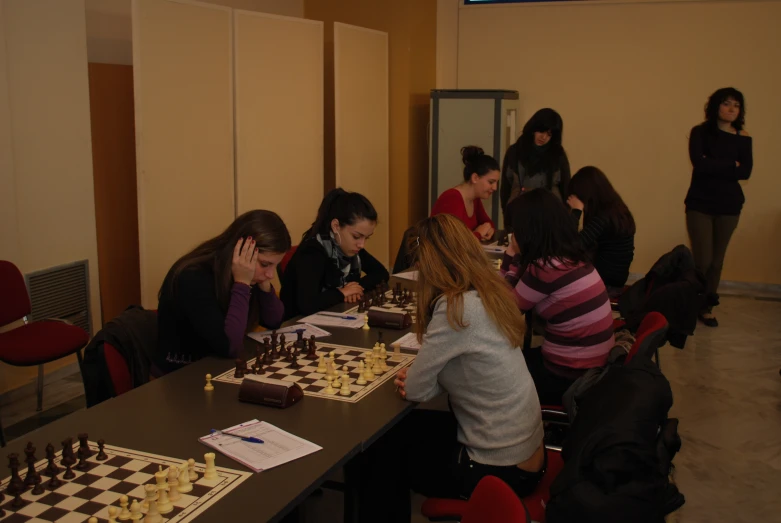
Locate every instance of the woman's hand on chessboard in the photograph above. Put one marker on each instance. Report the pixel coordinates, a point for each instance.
(352, 292)
(401, 381)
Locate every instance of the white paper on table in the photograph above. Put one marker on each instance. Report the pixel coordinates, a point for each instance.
(278, 446)
(334, 321)
(309, 331)
(495, 248)
(407, 275)
(408, 341)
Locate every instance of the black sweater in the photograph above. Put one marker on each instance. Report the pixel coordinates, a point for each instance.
(311, 280)
(714, 187)
(611, 251)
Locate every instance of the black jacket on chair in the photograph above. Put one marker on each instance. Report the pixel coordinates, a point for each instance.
(618, 453)
(134, 334)
(673, 287)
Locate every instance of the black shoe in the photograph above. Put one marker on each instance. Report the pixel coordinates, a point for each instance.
(709, 322)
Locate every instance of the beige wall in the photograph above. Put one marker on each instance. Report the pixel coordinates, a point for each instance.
(109, 39)
(630, 80)
(411, 27)
(46, 201)
(184, 131)
(279, 124)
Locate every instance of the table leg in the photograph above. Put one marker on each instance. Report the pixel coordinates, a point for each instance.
(352, 479)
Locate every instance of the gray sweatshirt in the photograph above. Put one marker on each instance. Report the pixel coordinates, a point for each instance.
(491, 392)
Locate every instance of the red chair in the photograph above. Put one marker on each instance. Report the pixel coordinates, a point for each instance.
(477, 510)
(650, 336)
(33, 343)
(283, 264)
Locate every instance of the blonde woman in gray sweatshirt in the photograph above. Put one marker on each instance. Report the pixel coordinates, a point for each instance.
(471, 332)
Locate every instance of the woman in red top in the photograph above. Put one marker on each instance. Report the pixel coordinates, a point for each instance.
(481, 176)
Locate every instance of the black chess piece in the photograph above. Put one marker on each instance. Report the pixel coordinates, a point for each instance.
(38, 489)
(238, 372)
(68, 450)
(54, 483)
(101, 453)
(83, 465)
(29, 453)
(312, 354)
(18, 502)
(69, 474)
(84, 443)
(51, 469)
(274, 338)
(294, 361)
(15, 485)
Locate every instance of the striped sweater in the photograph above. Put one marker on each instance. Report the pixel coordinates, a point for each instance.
(575, 306)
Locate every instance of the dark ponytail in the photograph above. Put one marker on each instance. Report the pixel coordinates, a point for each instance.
(476, 161)
(347, 207)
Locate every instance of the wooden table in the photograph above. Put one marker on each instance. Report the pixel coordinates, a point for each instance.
(168, 415)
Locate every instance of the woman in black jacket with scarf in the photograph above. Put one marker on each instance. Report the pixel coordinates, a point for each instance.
(537, 160)
(327, 267)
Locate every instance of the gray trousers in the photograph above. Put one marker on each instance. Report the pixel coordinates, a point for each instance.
(709, 237)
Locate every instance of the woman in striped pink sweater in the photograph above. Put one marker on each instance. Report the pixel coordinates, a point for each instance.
(552, 276)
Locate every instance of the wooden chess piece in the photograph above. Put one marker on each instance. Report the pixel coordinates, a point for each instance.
(83, 465)
(54, 483)
(51, 469)
(69, 474)
(102, 456)
(294, 363)
(312, 354)
(29, 453)
(15, 485)
(84, 444)
(237, 373)
(38, 489)
(18, 502)
(208, 386)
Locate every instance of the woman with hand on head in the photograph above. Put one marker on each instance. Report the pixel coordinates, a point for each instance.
(720, 150)
(608, 232)
(470, 332)
(537, 160)
(219, 291)
(481, 176)
(331, 265)
(548, 267)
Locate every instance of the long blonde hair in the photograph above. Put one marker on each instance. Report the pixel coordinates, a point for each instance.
(450, 262)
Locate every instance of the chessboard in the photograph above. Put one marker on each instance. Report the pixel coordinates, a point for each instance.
(314, 383)
(104, 481)
(407, 306)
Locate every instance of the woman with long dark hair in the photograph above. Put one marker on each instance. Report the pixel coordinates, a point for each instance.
(608, 226)
(720, 150)
(464, 201)
(216, 293)
(331, 265)
(537, 160)
(470, 332)
(550, 271)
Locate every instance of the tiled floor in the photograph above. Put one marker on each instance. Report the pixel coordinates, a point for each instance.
(727, 393)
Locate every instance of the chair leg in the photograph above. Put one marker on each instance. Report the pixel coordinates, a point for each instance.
(39, 407)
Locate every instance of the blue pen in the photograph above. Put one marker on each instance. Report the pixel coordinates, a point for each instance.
(250, 439)
(337, 315)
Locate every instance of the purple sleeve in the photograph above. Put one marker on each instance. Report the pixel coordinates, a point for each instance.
(271, 309)
(236, 318)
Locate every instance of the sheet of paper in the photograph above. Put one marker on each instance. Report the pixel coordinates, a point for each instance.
(309, 330)
(495, 248)
(342, 320)
(408, 341)
(278, 446)
(407, 275)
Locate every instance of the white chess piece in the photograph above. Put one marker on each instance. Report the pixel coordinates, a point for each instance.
(184, 479)
(191, 469)
(112, 515)
(365, 322)
(164, 505)
(361, 380)
(330, 388)
(208, 385)
(211, 470)
(368, 374)
(161, 477)
(345, 390)
(124, 514)
(151, 495)
(135, 511)
(173, 484)
(376, 367)
(383, 357)
(337, 384)
(321, 368)
(153, 514)
(92, 520)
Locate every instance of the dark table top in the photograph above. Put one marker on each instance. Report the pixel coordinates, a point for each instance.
(168, 415)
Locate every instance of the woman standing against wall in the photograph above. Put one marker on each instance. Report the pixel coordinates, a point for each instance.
(537, 160)
(721, 155)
